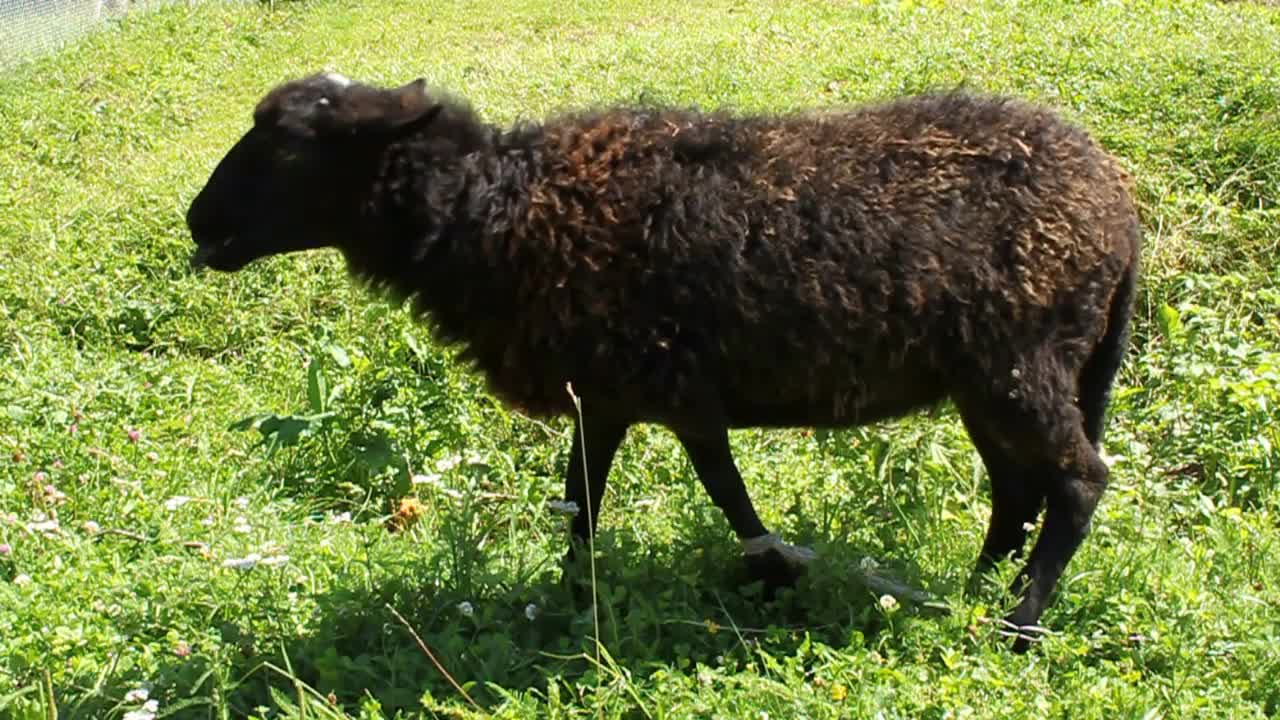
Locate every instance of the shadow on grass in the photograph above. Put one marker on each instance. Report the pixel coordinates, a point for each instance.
(668, 605)
(689, 603)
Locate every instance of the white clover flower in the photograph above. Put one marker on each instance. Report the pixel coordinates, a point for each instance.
(137, 695)
(531, 611)
(889, 602)
(868, 564)
(43, 526)
(146, 712)
(245, 563)
(563, 507)
(176, 502)
(465, 608)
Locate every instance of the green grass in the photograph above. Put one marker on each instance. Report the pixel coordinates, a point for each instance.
(1171, 609)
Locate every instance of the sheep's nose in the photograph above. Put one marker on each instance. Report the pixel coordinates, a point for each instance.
(200, 223)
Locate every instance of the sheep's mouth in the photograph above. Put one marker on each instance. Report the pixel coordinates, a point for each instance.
(216, 255)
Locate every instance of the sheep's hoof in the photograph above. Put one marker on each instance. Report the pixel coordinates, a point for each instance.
(773, 570)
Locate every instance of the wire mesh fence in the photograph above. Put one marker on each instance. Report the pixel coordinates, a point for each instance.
(31, 27)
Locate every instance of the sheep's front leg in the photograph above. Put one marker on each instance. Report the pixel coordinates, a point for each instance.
(768, 557)
(595, 442)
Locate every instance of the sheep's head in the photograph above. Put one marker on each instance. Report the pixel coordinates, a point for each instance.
(291, 182)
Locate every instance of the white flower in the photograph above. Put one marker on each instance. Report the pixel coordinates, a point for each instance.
(146, 712)
(342, 517)
(868, 564)
(21, 579)
(43, 526)
(245, 563)
(275, 560)
(531, 611)
(448, 463)
(888, 602)
(432, 479)
(176, 502)
(207, 521)
(563, 507)
(137, 695)
(242, 525)
(1029, 527)
(91, 527)
(242, 502)
(465, 608)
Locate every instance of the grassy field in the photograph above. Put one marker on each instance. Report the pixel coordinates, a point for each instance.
(130, 497)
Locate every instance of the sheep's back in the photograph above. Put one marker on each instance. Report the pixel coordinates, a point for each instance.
(816, 254)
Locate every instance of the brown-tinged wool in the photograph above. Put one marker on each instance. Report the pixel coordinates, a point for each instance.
(821, 268)
(707, 271)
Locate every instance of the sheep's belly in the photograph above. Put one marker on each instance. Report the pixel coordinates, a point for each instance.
(836, 404)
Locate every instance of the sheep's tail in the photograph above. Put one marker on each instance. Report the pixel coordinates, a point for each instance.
(1099, 372)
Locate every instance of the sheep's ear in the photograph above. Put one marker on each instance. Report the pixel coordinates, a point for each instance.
(324, 106)
(406, 109)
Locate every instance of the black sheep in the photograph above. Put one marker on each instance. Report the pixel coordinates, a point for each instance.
(714, 271)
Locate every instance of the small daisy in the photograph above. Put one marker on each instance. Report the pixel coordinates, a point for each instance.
(889, 602)
(245, 563)
(176, 502)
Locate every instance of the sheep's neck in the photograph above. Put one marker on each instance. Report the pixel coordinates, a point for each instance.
(441, 234)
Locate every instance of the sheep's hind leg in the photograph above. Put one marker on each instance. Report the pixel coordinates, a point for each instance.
(768, 557)
(1016, 500)
(589, 471)
(1073, 494)
(1050, 437)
